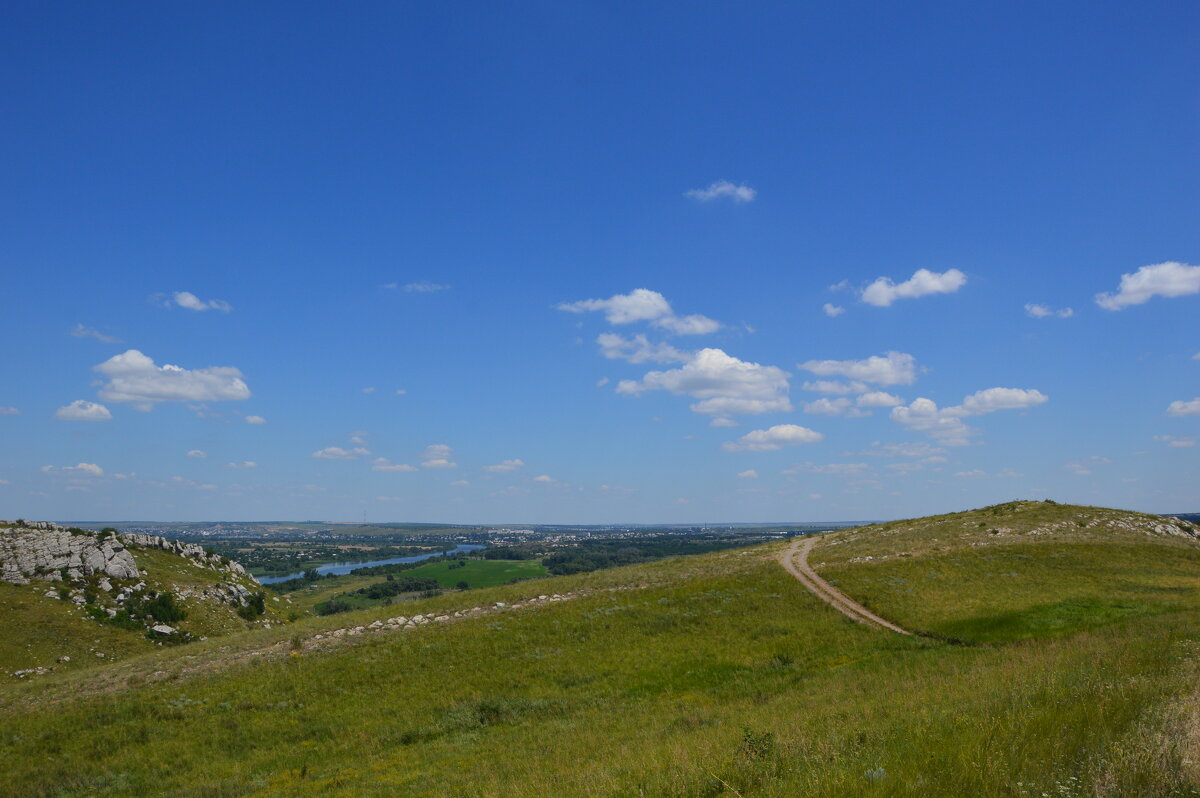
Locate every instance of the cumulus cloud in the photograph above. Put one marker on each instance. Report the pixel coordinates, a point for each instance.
(946, 424)
(642, 304)
(505, 466)
(828, 407)
(197, 454)
(133, 377)
(1170, 279)
(993, 399)
(1045, 312)
(438, 455)
(974, 473)
(81, 331)
(255, 420)
(893, 368)
(749, 473)
(878, 399)
(424, 287)
(907, 449)
(338, 453)
(832, 310)
(83, 468)
(638, 349)
(1182, 408)
(186, 299)
(720, 189)
(724, 384)
(722, 422)
(242, 465)
(773, 438)
(384, 464)
(884, 292)
(543, 478)
(834, 386)
(83, 410)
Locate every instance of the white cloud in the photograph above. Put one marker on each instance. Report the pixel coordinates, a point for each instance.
(974, 473)
(1083, 467)
(725, 384)
(722, 422)
(722, 188)
(242, 465)
(370, 389)
(1182, 408)
(828, 407)
(83, 410)
(80, 331)
(9, 411)
(878, 399)
(133, 377)
(338, 453)
(893, 368)
(543, 478)
(832, 310)
(460, 483)
(638, 349)
(400, 392)
(186, 299)
(884, 292)
(907, 449)
(923, 415)
(423, 287)
(384, 464)
(749, 473)
(1196, 356)
(86, 468)
(255, 420)
(197, 454)
(837, 469)
(993, 399)
(642, 304)
(1170, 279)
(776, 437)
(1045, 312)
(1177, 443)
(946, 424)
(505, 466)
(834, 386)
(438, 456)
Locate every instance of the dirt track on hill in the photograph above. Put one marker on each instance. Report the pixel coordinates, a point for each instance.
(795, 560)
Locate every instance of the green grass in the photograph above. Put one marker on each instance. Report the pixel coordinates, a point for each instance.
(701, 676)
(480, 573)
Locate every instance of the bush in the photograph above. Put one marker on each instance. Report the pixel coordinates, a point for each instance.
(163, 608)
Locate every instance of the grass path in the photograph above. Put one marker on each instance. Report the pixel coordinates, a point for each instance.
(795, 560)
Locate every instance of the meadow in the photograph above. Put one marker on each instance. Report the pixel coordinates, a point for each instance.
(709, 675)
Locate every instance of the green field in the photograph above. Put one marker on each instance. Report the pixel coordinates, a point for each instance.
(480, 573)
(1062, 668)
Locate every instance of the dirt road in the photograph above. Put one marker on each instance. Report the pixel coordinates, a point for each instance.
(795, 560)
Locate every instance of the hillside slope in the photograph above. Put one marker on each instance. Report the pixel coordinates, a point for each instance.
(71, 597)
(716, 674)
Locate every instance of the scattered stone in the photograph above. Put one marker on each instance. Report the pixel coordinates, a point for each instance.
(163, 629)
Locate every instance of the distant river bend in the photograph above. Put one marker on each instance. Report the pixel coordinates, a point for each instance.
(340, 568)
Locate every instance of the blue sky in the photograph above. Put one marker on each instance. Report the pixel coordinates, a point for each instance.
(626, 262)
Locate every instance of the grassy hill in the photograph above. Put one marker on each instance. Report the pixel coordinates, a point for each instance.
(1063, 662)
(43, 628)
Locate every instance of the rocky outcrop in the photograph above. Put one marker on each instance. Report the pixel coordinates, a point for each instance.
(193, 552)
(41, 550)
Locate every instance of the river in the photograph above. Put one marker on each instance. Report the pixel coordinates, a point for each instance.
(346, 567)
